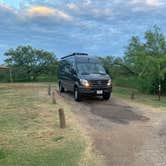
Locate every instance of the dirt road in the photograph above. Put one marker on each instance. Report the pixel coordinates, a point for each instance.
(125, 135)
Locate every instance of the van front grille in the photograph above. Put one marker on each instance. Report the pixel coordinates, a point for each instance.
(98, 83)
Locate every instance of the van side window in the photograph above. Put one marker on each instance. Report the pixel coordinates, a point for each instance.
(67, 66)
(71, 61)
(62, 66)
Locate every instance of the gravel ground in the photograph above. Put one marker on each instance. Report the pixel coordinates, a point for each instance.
(124, 134)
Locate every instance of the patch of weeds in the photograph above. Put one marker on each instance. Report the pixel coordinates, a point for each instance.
(2, 154)
(56, 139)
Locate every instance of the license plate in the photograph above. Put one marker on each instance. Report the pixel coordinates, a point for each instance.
(99, 92)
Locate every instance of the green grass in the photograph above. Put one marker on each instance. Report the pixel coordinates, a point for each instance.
(150, 100)
(123, 81)
(29, 129)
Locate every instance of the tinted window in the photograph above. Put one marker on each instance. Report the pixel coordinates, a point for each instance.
(90, 68)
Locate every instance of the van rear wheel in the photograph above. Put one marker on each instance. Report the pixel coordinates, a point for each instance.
(77, 95)
(61, 88)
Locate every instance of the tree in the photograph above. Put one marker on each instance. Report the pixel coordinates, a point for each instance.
(147, 59)
(112, 65)
(107, 63)
(28, 63)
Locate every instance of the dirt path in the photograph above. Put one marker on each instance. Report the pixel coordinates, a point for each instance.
(125, 135)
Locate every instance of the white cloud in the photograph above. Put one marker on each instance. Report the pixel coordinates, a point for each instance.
(87, 2)
(4, 6)
(101, 13)
(150, 3)
(73, 6)
(47, 11)
(35, 11)
(153, 2)
(40, 11)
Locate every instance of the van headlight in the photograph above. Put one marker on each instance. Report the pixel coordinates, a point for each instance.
(109, 83)
(84, 82)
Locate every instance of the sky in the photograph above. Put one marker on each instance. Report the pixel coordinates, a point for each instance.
(97, 27)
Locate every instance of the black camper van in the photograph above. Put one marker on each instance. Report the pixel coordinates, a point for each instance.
(84, 75)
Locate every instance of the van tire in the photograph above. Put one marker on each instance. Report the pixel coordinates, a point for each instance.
(77, 95)
(61, 88)
(106, 96)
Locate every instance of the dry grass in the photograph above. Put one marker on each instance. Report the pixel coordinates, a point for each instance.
(30, 133)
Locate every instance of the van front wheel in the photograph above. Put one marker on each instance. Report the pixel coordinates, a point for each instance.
(77, 95)
(61, 88)
(106, 96)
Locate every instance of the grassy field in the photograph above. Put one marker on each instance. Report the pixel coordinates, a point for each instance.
(30, 134)
(150, 100)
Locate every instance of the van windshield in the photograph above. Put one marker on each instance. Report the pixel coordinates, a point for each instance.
(90, 68)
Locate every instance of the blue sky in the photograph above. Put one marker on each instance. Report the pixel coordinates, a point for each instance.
(64, 26)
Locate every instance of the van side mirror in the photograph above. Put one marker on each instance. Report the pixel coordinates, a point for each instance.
(73, 71)
(106, 70)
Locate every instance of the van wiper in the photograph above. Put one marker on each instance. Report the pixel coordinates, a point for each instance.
(100, 73)
(85, 73)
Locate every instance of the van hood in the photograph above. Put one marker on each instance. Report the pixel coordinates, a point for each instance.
(95, 77)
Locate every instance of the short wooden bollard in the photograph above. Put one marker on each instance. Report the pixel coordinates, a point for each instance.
(62, 118)
(58, 92)
(132, 95)
(53, 98)
(159, 92)
(49, 90)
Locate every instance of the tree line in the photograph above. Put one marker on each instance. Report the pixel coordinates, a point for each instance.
(143, 65)
(29, 64)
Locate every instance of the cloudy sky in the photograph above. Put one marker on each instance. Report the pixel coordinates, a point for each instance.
(99, 27)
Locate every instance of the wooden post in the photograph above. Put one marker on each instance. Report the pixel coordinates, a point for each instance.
(53, 97)
(49, 90)
(132, 94)
(11, 75)
(58, 92)
(62, 118)
(159, 92)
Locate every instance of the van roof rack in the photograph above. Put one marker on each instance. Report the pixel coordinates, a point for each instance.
(75, 53)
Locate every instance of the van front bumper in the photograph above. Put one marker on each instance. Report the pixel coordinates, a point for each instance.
(93, 91)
